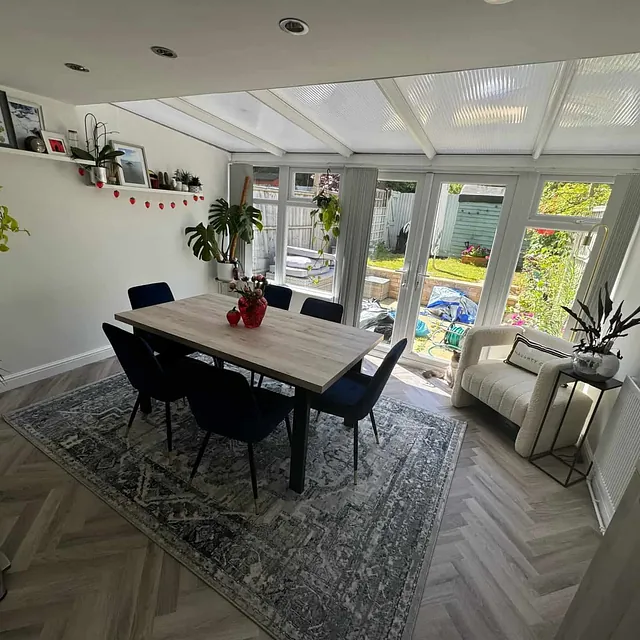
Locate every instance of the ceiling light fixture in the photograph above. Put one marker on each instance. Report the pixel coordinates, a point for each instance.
(164, 52)
(76, 67)
(294, 26)
(498, 1)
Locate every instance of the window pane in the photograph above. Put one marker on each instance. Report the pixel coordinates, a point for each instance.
(548, 274)
(580, 199)
(392, 211)
(264, 242)
(307, 185)
(305, 267)
(266, 181)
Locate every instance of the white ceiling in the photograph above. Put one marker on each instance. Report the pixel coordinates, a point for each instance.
(227, 46)
(590, 106)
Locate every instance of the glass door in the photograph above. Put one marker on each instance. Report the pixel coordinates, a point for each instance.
(398, 218)
(449, 285)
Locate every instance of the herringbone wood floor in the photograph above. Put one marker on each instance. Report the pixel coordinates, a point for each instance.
(512, 547)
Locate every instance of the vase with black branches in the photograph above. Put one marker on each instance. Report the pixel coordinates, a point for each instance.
(594, 357)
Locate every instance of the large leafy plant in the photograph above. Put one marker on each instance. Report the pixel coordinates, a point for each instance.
(602, 328)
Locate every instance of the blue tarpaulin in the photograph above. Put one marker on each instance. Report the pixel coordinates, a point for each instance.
(452, 305)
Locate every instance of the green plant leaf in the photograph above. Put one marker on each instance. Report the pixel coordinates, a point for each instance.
(82, 154)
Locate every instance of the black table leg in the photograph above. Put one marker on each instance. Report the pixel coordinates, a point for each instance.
(299, 440)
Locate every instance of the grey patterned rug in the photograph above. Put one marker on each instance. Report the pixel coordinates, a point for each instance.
(339, 562)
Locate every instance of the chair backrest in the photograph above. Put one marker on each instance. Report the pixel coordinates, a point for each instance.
(146, 295)
(547, 340)
(141, 366)
(221, 400)
(381, 377)
(278, 297)
(323, 309)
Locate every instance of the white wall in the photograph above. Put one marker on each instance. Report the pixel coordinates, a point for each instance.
(87, 247)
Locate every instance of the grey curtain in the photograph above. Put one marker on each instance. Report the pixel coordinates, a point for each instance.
(357, 199)
(619, 236)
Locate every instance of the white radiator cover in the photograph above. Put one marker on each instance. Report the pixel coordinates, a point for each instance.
(618, 451)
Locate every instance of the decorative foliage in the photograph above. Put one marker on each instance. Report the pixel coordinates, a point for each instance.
(602, 329)
(194, 181)
(235, 222)
(8, 224)
(205, 245)
(476, 251)
(250, 288)
(98, 152)
(182, 176)
(327, 218)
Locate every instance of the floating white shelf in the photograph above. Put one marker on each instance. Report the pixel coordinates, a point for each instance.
(39, 156)
(178, 195)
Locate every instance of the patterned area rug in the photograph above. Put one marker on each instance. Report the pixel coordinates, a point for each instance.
(338, 562)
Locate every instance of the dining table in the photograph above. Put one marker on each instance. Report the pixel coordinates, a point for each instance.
(306, 352)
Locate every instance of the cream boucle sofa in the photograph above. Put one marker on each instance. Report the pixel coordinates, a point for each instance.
(519, 395)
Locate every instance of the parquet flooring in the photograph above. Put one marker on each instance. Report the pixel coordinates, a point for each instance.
(511, 550)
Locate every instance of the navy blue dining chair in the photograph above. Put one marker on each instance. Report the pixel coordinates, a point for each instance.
(223, 402)
(278, 297)
(353, 397)
(323, 309)
(150, 375)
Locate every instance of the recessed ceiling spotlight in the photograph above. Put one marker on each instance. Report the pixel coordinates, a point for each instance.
(76, 67)
(164, 52)
(294, 26)
(498, 1)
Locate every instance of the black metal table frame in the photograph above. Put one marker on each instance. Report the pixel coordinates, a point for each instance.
(603, 387)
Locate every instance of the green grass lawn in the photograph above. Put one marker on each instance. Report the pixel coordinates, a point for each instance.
(450, 268)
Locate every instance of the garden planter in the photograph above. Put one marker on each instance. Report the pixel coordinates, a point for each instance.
(478, 262)
(252, 311)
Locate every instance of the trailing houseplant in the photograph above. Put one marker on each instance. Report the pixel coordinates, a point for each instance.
(594, 357)
(98, 152)
(229, 223)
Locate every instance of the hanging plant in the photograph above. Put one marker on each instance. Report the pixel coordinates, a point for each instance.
(8, 224)
(326, 218)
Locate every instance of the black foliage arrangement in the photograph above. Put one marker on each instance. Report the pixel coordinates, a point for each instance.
(601, 331)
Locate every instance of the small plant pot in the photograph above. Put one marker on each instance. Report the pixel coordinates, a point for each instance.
(178, 185)
(194, 189)
(98, 174)
(225, 271)
(185, 187)
(477, 261)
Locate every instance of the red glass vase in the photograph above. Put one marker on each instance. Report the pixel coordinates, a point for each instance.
(252, 311)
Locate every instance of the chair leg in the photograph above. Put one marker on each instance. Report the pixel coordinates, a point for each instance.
(318, 415)
(205, 442)
(167, 414)
(373, 424)
(253, 378)
(136, 406)
(288, 423)
(355, 452)
(254, 479)
(260, 379)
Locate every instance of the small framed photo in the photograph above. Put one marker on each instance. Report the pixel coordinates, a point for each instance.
(27, 119)
(7, 133)
(132, 166)
(56, 143)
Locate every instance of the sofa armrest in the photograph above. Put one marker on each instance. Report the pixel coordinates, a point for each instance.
(476, 339)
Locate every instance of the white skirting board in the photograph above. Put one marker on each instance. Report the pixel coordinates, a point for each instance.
(15, 380)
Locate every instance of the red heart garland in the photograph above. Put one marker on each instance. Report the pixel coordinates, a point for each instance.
(173, 205)
(161, 205)
(195, 198)
(147, 204)
(184, 202)
(116, 194)
(81, 171)
(201, 197)
(132, 200)
(99, 185)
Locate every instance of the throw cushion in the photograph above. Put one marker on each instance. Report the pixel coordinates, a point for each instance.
(530, 356)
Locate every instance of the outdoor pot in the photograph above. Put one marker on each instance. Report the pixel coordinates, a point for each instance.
(98, 174)
(596, 366)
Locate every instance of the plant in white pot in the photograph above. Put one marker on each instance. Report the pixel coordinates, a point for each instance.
(594, 357)
(98, 152)
(230, 223)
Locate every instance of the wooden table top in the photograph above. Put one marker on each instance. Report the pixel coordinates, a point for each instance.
(301, 350)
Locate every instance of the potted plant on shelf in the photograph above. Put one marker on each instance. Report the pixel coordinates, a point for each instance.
(252, 304)
(230, 223)
(594, 358)
(98, 152)
(476, 255)
(182, 178)
(195, 186)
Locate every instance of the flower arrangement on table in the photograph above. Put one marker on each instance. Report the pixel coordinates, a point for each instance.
(475, 254)
(252, 305)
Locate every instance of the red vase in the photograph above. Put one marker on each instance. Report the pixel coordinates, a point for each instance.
(252, 311)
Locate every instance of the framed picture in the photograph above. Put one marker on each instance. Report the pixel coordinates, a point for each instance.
(132, 166)
(7, 134)
(27, 119)
(56, 143)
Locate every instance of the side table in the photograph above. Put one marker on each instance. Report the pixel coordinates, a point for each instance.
(603, 386)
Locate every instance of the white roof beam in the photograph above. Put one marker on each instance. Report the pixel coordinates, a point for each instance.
(179, 104)
(557, 96)
(396, 98)
(275, 102)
